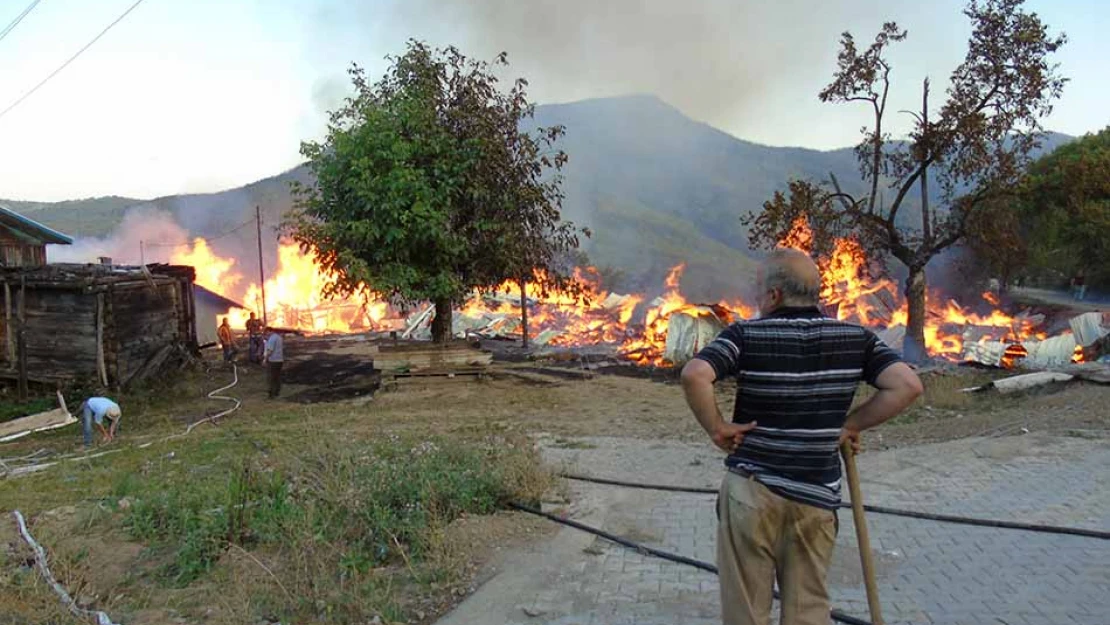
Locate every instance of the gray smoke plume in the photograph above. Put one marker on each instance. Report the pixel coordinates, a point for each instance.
(157, 229)
(731, 63)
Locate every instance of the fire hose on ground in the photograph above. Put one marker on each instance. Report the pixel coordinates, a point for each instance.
(836, 615)
(913, 514)
(101, 618)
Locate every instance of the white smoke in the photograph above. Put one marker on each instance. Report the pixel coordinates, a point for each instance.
(145, 234)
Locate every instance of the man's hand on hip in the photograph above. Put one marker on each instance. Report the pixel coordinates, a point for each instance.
(728, 436)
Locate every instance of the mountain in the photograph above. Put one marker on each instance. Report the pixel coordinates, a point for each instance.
(655, 187)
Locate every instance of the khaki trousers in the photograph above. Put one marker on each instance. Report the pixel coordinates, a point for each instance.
(762, 537)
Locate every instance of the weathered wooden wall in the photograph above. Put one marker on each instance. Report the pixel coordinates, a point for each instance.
(60, 334)
(17, 253)
(141, 321)
(94, 328)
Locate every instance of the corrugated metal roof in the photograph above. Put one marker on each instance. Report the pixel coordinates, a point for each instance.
(31, 230)
(215, 298)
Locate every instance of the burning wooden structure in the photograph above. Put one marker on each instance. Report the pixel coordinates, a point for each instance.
(112, 325)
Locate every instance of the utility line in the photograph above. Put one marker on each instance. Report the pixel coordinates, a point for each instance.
(19, 18)
(70, 60)
(214, 237)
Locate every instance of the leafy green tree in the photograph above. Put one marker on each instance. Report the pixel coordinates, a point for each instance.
(429, 186)
(1066, 209)
(975, 147)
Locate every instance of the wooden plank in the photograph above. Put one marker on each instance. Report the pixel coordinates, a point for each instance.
(150, 367)
(393, 358)
(101, 368)
(21, 342)
(8, 335)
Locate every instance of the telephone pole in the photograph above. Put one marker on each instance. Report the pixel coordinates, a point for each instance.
(261, 270)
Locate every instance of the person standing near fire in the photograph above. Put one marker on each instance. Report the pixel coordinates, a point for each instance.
(274, 359)
(254, 334)
(223, 333)
(797, 372)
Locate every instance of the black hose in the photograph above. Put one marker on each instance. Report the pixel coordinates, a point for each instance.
(673, 489)
(929, 516)
(836, 615)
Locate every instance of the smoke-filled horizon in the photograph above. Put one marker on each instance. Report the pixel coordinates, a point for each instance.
(264, 74)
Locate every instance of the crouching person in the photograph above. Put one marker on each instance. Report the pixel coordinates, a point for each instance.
(94, 411)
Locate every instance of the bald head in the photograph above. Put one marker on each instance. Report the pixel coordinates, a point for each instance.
(794, 276)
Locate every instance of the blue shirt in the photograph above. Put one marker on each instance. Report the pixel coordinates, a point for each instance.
(101, 407)
(275, 348)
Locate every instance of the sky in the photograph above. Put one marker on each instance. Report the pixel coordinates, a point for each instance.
(188, 96)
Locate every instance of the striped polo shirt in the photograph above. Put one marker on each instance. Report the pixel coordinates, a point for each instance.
(797, 372)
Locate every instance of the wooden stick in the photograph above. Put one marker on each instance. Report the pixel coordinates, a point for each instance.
(862, 538)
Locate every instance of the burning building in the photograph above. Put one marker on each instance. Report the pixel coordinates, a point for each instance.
(657, 331)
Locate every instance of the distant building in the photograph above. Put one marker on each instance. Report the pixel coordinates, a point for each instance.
(23, 241)
(210, 306)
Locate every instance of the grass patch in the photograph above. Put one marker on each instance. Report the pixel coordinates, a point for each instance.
(349, 530)
(14, 409)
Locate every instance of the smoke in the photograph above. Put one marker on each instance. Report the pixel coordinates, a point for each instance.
(145, 232)
(733, 63)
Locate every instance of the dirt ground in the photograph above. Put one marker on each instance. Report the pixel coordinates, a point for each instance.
(522, 398)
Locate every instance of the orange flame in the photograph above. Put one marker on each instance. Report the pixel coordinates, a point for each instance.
(877, 303)
(294, 292)
(589, 314)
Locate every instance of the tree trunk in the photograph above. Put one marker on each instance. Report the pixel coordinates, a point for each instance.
(524, 313)
(441, 324)
(913, 349)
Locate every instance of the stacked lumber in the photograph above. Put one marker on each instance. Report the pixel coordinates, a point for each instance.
(427, 359)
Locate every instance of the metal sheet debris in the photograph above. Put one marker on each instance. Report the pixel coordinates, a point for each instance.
(1023, 382)
(688, 333)
(1090, 327)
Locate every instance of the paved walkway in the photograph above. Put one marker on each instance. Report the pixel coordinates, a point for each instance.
(929, 572)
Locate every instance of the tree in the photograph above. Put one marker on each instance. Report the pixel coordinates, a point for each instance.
(974, 147)
(428, 186)
(1065, 209)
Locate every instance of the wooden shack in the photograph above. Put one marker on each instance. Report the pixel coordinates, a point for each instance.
(23, 241)
(100, 323)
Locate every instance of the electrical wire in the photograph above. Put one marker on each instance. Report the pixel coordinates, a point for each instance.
(19, 18)
(214, 237)
(913, 514)
(70, 60)
(836, 615)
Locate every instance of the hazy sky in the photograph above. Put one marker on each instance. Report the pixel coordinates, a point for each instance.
(202, 95)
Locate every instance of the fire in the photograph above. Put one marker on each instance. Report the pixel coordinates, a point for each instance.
(647, 348)
(213, 272)
(588, 314)
(294, 292)
(851, 294)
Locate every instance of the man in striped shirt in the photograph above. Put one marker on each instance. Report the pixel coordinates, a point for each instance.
(797, 372)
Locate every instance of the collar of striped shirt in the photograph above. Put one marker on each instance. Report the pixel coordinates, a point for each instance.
(794, 312)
